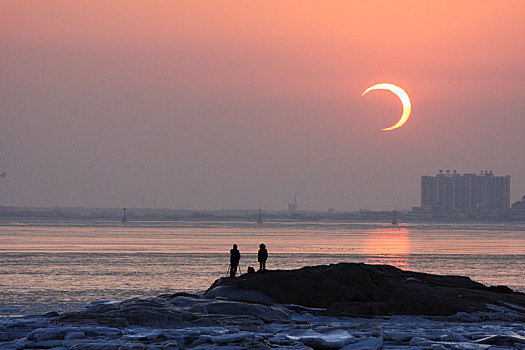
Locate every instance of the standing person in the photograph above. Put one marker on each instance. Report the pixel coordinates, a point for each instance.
(235, 256)
(262, 256)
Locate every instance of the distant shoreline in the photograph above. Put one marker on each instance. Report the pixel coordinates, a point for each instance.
(248, 215)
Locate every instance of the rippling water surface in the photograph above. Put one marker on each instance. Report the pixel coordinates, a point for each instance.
(60, 265)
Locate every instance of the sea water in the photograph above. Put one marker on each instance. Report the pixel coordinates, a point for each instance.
(60, 266)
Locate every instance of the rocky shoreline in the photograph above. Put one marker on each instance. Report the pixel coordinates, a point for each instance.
(292, 309)
(357, 289)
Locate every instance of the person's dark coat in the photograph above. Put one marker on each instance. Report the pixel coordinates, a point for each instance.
(262, 255)
(235, 256)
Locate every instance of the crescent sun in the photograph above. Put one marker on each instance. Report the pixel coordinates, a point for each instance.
(402, 95)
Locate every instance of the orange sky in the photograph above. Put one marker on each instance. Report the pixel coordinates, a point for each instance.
(235, 104)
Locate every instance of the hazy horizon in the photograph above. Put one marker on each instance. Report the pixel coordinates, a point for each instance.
(226, 105)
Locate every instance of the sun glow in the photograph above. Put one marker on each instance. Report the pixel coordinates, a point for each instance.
(388, 246)
(402, 95)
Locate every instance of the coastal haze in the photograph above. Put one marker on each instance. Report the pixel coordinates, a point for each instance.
(214, 105)
(360, 164)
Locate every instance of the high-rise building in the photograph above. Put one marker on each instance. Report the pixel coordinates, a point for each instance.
(449, 192)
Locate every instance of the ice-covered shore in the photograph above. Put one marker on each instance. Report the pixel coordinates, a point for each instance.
(228, 316)
(182, 321)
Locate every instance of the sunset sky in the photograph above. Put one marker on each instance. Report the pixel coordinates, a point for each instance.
(242, 104)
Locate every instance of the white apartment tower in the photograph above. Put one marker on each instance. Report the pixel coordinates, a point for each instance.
(449, 192)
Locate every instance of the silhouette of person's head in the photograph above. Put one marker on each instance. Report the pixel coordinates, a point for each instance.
(262, 246)
(235, 246)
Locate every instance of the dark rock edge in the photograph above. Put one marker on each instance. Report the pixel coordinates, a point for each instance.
(358, 289)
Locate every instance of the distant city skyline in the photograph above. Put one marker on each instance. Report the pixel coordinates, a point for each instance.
(449, 192)
(213, 105)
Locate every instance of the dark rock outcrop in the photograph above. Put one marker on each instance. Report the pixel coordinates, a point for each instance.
(173, 311)
(156, 312)
(364, 290)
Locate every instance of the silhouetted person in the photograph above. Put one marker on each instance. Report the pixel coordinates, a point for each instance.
(262, 256)
(235, 256)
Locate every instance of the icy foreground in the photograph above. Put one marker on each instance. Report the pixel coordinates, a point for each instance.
(189, 321)
(249, 313)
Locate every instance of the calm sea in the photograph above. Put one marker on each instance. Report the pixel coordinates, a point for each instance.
(48, 266)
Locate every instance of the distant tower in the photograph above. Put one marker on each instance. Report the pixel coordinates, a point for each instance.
(292, 207)
(307, 200)
(394, 220)
(124, 218)
(3, 174)
(259, 218)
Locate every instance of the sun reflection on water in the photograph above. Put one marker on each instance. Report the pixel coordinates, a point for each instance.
(388, 246)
